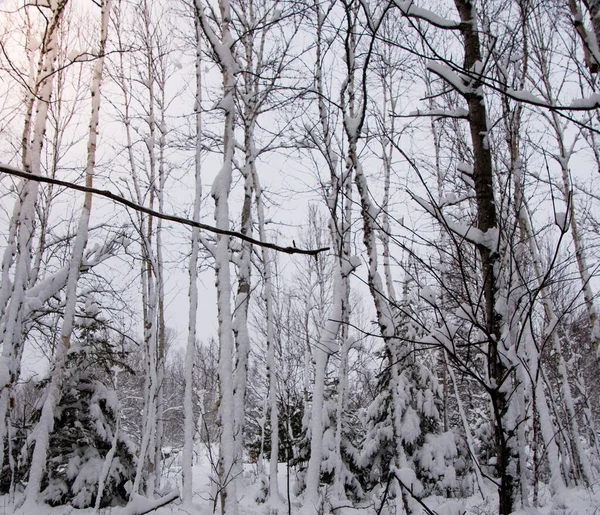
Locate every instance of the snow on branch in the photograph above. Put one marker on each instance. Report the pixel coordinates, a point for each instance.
(442, 336)
(591, 102)
(141, 505)
(439, 113)
(222, 49)
(527, 97)
(409, 9)
(461, 83)
(450, 76)
(43, 290)
(171, 218)
(577, 104)
(469, 233)
(466, 174)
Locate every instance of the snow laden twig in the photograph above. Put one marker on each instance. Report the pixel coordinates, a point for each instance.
(488, 239)
(408, 8)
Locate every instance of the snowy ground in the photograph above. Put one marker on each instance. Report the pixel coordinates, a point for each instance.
(572, 502)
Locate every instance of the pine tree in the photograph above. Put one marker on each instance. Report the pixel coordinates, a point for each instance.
(403, 426)
(86, 424)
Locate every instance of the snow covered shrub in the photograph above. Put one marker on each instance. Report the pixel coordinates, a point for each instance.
(86, 426)
(432, 451)
(435, 462)
(377, 452)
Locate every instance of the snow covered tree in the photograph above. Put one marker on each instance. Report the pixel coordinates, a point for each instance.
(221, 43)
(446, 151)
(87, 447)
(16, 262)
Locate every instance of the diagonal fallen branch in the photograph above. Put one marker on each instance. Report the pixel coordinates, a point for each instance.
(9, 170)
(141, 505)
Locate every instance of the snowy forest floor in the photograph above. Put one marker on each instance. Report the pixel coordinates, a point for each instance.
(574, 501)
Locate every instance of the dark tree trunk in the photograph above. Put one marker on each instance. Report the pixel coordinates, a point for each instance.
(486, 221)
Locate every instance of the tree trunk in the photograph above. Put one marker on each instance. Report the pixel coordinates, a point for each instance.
(223, 48)
(188, 439)
(499, 375)
(41, 435)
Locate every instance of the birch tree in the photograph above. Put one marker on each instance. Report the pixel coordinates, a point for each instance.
(222, 44)
(41, 433)
(16, 260)
(189, 420)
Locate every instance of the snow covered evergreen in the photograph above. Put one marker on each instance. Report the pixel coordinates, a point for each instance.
(86, 434)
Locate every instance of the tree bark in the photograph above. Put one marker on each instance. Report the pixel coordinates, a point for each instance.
(483, 177)
(188, 439)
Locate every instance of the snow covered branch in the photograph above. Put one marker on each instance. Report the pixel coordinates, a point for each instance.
(437, 114)
(409, 8)
(141, 505)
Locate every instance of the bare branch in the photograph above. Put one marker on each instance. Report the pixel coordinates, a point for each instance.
(172, 218)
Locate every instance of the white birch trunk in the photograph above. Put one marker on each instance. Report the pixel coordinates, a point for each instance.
(41, 435)
(468, 435)
(275, 498)
(160, 282)
(240, 317)
(223, 47)
(146, 455)
(311, 500)
(188, 439)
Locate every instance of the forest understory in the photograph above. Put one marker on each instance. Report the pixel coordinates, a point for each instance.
(571, 501)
